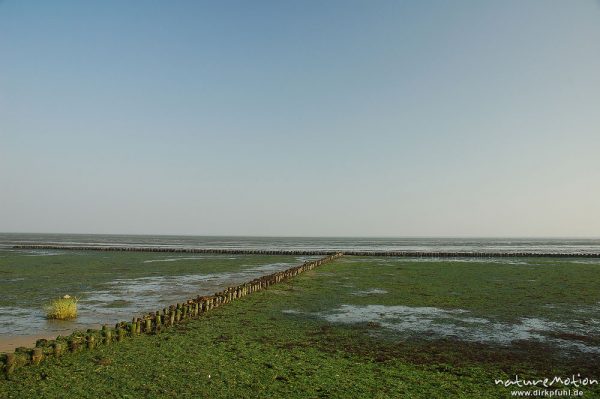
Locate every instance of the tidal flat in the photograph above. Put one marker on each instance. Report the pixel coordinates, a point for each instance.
(110, 286)
(358, 327)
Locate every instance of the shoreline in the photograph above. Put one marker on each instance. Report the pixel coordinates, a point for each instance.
(8, 343)
(12, 342)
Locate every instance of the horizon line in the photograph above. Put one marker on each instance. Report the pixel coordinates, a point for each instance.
(315, 236)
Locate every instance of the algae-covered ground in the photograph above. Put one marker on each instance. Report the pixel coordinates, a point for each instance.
(359, 328)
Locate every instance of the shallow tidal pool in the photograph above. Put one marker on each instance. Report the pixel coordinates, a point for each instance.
(554, 302)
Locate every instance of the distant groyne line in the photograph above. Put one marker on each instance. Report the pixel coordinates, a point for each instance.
(309, 252)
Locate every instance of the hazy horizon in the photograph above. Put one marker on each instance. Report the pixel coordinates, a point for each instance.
(299, 236)
(279, 119)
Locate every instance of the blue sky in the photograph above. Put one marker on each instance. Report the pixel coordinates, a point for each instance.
(354, 118)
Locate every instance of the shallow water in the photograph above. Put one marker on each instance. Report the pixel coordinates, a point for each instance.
(460, 324)
(496, 302)
(371, 291)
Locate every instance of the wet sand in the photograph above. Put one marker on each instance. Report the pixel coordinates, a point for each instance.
(10, 343)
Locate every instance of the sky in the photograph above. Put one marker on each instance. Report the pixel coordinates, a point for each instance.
(301, 118)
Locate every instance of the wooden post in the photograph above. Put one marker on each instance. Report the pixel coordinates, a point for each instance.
(121, 333)
(10, 365)
(107, 336)
(58, 349)
(37, 355)
(73, 344)
(91, 342)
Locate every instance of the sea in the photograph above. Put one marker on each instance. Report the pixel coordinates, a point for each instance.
(433, 244)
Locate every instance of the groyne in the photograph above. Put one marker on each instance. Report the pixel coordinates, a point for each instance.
(231, 251)
(150, 323)
(244, 251)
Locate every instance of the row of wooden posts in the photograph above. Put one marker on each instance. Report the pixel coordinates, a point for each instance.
(478, 254)
(151, 323)
(316, 252)
(233, 251)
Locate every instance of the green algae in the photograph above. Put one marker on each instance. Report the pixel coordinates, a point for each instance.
(277, 343)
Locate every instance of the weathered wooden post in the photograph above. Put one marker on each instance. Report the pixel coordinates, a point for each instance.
(130, 328)
(121, 333)
(58, 349)
(37, 355)
(73, 344)
(11, 362)
(107, 333)
(91, 341)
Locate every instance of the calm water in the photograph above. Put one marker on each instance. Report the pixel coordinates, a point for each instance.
(539, 245)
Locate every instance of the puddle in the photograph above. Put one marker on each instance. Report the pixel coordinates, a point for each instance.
(40, 253)
(593, 261)
(372, 291)
(12, 280)
(399, 260)
(291, 311)
(188, 258)
(459, 324)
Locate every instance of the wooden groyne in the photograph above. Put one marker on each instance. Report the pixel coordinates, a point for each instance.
(234, 251)
(151, 323)
(231, 251)
(478, 254)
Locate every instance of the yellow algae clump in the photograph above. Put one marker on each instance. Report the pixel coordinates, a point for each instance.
(64, 308)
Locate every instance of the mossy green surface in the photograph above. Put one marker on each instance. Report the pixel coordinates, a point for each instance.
(277, 344)
(30, 278)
